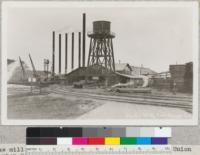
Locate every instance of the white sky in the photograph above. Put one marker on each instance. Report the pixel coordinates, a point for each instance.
(154, 37)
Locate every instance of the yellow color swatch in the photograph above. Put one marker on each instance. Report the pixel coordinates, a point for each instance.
(112, 140)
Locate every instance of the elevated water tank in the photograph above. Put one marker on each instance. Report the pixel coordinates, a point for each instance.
(101, 27)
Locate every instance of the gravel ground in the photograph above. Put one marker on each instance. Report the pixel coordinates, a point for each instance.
(49, 106)
(16, 134)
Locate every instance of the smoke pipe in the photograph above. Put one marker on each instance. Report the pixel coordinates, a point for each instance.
(66, 46)
(79, 49)
(72, 51)
(59, 53)
(53, 54)
(84, 26)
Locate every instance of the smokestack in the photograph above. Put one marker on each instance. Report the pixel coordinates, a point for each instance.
(79, 49)
(59, 53)
(53, 54)
(84, 26)
(72, 50)
(66, 46)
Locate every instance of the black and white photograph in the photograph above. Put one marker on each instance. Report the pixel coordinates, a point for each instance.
(107, 63)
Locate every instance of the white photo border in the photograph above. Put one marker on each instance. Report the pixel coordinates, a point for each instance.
(138, 122)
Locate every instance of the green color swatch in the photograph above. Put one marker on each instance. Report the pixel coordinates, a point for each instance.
(127, 140)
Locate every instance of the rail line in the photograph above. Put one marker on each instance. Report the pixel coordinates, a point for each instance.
(23, 90)
(156, 102)
(166, 101)
(146, 96)
(161, 97)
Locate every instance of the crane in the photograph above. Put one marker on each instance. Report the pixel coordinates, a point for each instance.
(39, 80)
(35, 74)
(23, 69)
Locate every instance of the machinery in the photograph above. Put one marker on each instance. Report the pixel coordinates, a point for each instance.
(38, 80)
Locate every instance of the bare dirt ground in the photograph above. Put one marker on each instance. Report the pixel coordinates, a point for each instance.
(114, 110)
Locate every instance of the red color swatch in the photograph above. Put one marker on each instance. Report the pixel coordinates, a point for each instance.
(96, 141)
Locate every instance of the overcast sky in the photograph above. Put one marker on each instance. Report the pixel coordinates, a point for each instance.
(154, 37)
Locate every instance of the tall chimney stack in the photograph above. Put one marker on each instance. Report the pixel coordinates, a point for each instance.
(53, 54)
(84, 37)
(72, 65)
(66, 46)
(59, 53)
(79, 49)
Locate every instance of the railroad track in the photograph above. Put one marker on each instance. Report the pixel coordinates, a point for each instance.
(22, 90)
(166, 101)
(160, 97)
(171, 102)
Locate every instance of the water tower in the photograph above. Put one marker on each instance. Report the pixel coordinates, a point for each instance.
(101, 54)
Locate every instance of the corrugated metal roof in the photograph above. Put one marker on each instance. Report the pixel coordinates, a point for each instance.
(142, 71)
(120, 66)
(135, 70)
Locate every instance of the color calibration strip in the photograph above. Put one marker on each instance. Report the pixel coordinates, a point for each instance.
(98, 141)
(97, 136)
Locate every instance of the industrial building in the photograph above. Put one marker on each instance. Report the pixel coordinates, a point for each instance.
(182, 76)
(126, 68)
(99, 67)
